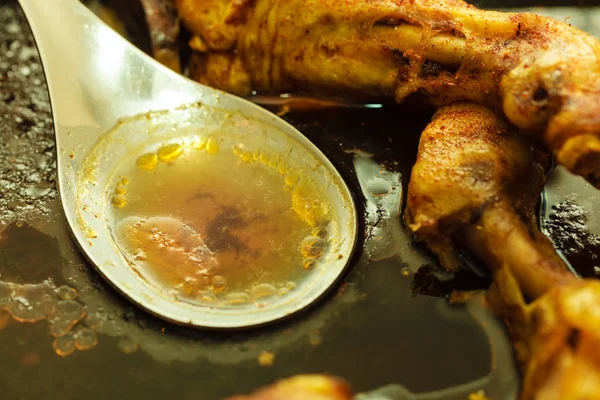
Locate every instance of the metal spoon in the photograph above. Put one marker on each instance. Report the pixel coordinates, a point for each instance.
(96, 79)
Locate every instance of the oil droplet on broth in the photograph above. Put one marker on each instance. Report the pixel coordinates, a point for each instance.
(219, 283)
(169, 152)
(220, 227)
(313, 247)
(120, 190)
(309, 263)
(199, 142)
(119, 201)
(147, 162)
(237, 299)
(263, 291)
(128, 346)
(320, 232)
(212, 146)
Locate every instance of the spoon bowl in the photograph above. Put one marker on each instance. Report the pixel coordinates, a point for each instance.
(110, 101)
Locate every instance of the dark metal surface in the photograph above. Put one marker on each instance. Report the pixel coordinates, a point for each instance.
(371, 331)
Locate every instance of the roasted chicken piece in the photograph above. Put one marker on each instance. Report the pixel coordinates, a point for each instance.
(303, 387)
(543, 74)
(475, 185)
(471, 166)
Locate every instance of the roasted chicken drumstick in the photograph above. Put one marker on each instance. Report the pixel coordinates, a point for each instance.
(543, 74)
(476, 185)
(472, 167)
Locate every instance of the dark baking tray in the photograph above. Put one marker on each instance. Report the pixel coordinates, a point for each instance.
(370, 331)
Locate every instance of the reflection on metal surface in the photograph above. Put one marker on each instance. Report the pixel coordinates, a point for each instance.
(383, 193)
(290, 102)
(382, 190)
(266, 359)
(502, 383)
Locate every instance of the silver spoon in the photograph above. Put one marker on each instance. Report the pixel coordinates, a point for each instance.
(98, 82)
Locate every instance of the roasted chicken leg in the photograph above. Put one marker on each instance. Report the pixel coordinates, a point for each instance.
(472, 167)
(543, 74)
(475, 185)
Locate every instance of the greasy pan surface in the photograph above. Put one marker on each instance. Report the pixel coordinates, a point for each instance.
(370, 331)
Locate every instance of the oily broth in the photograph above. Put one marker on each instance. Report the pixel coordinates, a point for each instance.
(212, 224)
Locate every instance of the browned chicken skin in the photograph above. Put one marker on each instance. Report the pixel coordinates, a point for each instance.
(476, 184)
(543, 74)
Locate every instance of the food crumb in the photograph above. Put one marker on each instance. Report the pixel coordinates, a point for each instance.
(341, 290)
(480, 395)
(266, 359)
(283, 111)
(5, 319)
(315, 338)
(128, 346)
(30, 359)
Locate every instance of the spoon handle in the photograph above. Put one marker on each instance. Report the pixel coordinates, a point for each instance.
(94, 75)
